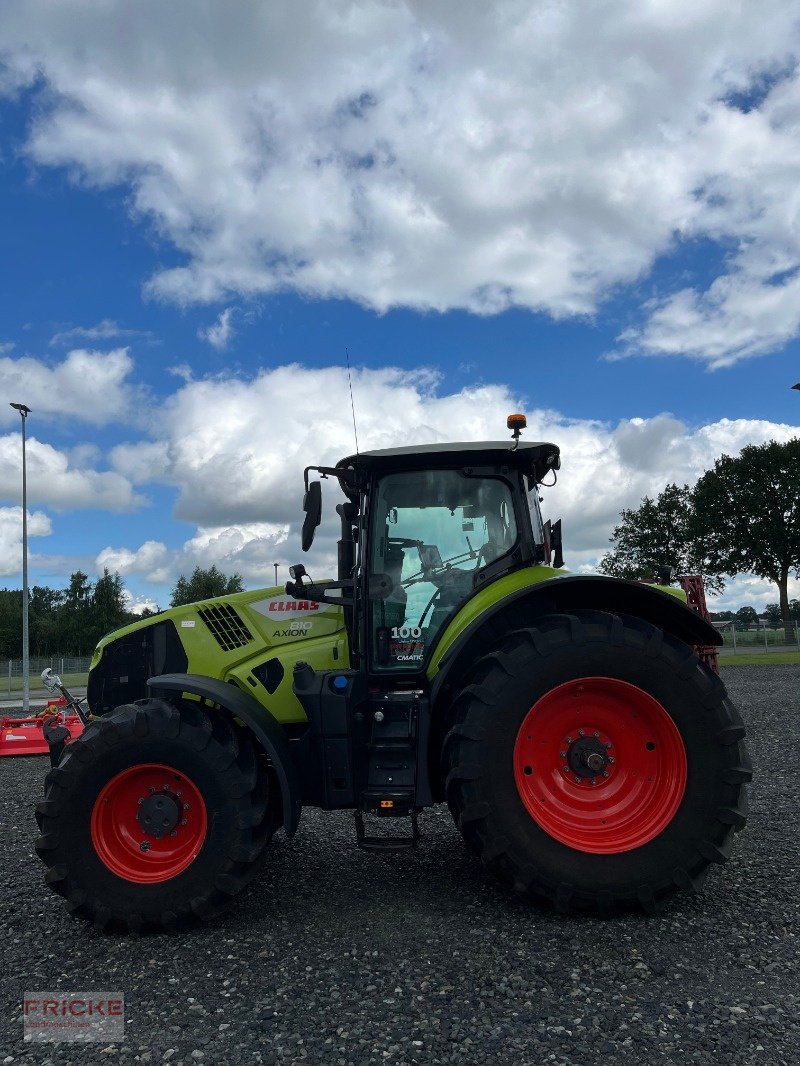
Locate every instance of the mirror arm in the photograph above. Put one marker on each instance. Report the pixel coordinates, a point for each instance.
(331, 471)
(316, 593)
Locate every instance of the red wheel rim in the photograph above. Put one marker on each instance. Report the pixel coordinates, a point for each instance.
(600, 765)
(148, 823)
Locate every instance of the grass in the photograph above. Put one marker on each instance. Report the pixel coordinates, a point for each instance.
(771, 658)
(69, 680)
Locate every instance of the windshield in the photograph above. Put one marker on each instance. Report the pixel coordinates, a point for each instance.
(431, 531)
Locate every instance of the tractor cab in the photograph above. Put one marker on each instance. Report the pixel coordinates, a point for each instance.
(424, 529)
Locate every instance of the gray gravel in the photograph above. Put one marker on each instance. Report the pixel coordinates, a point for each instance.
(338, 956)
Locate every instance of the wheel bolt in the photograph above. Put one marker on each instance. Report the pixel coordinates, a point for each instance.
(577, 779)
(605, 773)
(566, 769)
(596, 735)
(581, 732)
(152, 789)
(608, 743)
(611, 758)
(183, 821)
(174, 833)
(186, 806)
(562, 755)
(569, 740)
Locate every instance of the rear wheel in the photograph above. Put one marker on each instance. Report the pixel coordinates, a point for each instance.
(155, 816)
(594, 762)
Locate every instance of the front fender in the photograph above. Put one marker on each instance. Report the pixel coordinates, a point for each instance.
(264, 727)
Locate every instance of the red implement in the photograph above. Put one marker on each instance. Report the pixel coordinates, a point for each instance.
(25, 736)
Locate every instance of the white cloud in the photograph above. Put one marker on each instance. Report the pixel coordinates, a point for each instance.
(436, 156)
(220, 333)
(54, 481)
(108, 329)
(138, 604)
(249, 549)
(39, 525)
(150, 560)
(87, 386)
(746, 590)
(235, 450)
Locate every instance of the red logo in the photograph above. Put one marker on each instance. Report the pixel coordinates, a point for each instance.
(105, 1008)
(293, 605)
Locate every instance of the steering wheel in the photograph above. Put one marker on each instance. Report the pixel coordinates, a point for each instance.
(445, 571)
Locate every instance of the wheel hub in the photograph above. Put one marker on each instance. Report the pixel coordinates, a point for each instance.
(588, 756)
(159, 813)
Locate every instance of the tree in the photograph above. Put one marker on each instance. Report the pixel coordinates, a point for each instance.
(203, 584)
(747, 515)
(659, 533)
(43, 613)
(74, 616)
(773, 615)
(108, 605)
(746, 617)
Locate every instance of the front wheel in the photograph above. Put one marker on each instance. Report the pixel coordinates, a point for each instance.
(594, 762)
(155, 816)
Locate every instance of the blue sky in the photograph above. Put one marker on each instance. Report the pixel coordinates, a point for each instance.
(593, 216)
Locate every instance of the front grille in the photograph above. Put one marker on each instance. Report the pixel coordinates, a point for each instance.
(227, 627)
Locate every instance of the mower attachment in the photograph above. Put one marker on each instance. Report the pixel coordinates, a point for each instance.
(32, 736)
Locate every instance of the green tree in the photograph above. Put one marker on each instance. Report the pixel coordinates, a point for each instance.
(10, 623)
(108, 605)
(43, 623)
(659, 533)
(203, 584)
(773, 615)
(747, 515)
(75, 631)
(746, 617)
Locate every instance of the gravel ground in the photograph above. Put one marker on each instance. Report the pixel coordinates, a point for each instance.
(339, 956)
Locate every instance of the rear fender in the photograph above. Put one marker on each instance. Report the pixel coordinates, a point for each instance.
(562, 595)
(266, 730)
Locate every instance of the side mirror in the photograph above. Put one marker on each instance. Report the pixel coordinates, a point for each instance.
(312, 505)
(555, 543)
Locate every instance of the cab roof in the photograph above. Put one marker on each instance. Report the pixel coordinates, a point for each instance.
(530, 457)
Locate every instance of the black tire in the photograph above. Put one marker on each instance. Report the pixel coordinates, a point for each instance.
(478, 761)
(221, 762)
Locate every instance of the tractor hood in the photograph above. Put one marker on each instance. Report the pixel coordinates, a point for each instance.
(229, 637)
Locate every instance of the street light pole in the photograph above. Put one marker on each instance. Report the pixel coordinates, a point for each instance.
(276, 572)
(26, 680)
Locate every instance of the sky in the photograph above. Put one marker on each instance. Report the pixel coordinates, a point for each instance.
(589, 213)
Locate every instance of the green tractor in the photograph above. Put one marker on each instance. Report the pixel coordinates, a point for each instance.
(587, 754)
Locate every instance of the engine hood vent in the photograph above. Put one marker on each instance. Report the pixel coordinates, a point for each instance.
(228, 629)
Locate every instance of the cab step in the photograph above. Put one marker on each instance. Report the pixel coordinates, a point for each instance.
(386, 843)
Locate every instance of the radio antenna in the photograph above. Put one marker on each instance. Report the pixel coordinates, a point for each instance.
(352, 405)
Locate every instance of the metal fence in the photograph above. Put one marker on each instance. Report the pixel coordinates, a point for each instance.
(753, 641)
(63, 665)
